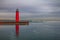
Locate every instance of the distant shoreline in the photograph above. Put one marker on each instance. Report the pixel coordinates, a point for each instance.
(31, 19)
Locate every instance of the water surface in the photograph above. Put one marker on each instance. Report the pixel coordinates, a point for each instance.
(34, 31)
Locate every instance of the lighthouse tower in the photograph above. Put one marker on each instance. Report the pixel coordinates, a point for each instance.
(17, 20)
(17, 15)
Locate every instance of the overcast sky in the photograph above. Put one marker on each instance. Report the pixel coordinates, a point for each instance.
(30, 8)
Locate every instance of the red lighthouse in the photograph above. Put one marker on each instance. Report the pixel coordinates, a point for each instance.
(17, 15)
(17, 20)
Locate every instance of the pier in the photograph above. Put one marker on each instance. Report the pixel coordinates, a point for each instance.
(15, 23)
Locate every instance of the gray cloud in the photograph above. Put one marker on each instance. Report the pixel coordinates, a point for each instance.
(31, 8)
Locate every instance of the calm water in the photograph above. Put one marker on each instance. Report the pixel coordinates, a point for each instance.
(35, 31)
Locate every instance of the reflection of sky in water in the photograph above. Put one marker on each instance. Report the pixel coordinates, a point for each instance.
(35, 31)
